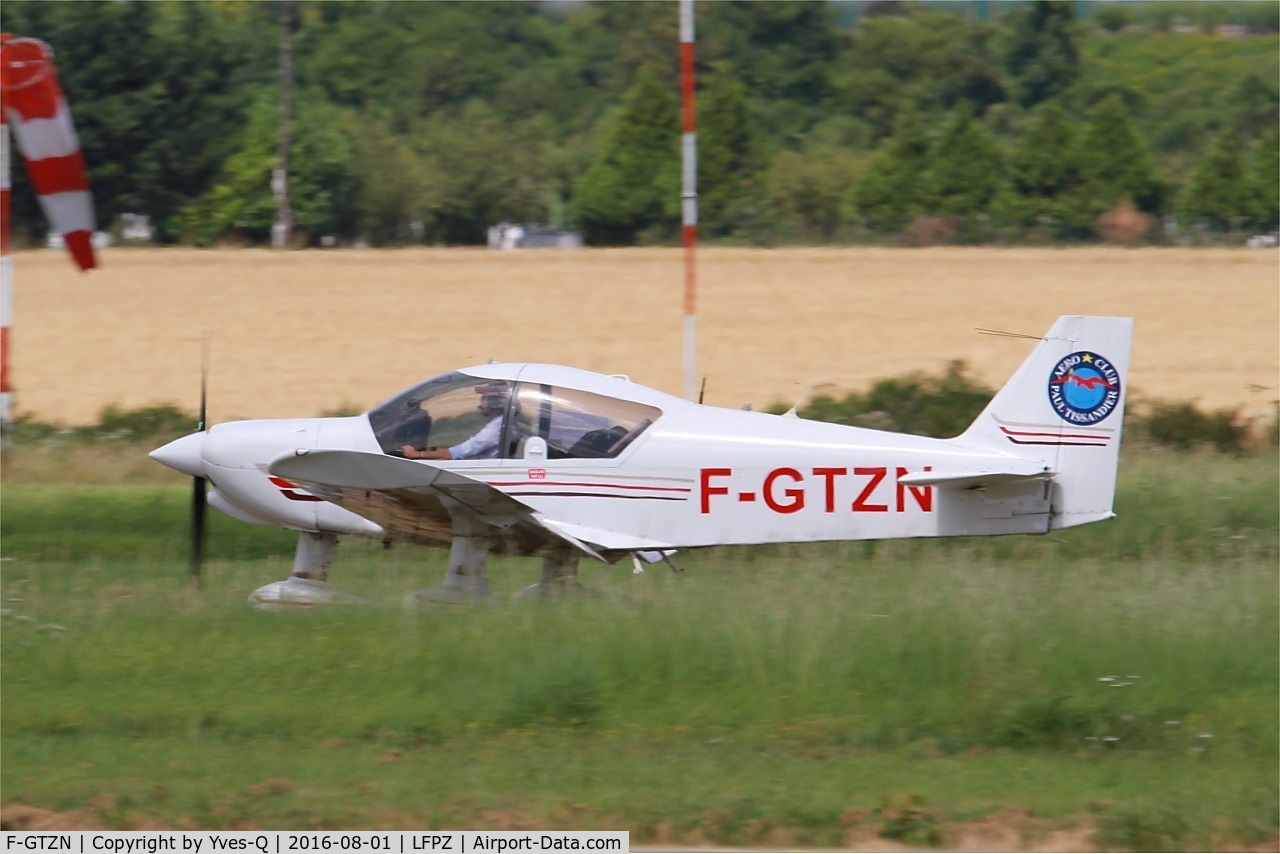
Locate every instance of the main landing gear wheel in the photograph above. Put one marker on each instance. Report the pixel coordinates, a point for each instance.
(296, 592)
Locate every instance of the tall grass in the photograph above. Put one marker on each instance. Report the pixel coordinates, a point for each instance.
(1125, 672)
(965, 654)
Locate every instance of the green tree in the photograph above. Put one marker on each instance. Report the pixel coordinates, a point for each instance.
(1040, 50)
(321, 176)
(390, 183)
(410, 60)
(784, 51)
(570, 79)
(784, 54)
(1264, 182)
(810, 186)
(1254, 106)
(729, 157)
(928, 58)
(478, 170)
(163, 93)
(1117, 162)
(1218, 194)
(890, 194)
(964, 178)
(1182, 88)
(1047, 175)
(632, 187)
(635, 36)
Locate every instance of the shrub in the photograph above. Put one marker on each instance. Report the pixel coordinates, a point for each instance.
(905, 819)
(1125, 225)
(161, 422)
(944, 406)
(1183, 426)
(926, 406)
(145, 423)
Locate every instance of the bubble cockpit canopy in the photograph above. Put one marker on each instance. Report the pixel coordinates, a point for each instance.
(448, 410)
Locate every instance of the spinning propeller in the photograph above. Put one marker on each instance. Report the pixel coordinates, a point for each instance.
(198, 501)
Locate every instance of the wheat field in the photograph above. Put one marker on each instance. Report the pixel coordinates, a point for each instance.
(297, 333)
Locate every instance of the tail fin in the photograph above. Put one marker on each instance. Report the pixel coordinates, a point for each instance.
(1065, 408)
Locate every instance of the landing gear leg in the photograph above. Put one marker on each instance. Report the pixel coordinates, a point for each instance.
(559, 577)
(465, 581)
(308, 584)
(313, 557)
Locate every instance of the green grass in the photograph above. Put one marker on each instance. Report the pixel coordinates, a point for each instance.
(1121, 676)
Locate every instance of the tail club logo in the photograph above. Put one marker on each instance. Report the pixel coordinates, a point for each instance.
(1084, 388)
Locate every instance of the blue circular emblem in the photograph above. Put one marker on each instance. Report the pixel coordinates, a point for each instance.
(1084, 388)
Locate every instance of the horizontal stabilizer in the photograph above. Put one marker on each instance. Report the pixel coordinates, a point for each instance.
(969, 479)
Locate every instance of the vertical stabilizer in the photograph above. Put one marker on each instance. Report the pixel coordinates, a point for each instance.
(1065, 408)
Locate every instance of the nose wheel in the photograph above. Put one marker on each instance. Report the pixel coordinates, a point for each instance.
(308, 585)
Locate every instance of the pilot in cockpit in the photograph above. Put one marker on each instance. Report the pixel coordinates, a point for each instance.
(485, 443)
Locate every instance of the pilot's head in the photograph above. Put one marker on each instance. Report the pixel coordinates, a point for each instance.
(493, 398)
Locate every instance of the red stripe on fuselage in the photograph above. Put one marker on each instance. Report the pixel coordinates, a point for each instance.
(545, 483)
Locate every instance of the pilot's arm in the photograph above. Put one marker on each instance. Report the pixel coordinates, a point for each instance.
(413, 453)
(483, 445)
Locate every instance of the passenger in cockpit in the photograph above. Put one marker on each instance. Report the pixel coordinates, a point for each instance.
(484, 444)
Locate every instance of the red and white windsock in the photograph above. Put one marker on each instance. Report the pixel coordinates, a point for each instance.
(37, 112)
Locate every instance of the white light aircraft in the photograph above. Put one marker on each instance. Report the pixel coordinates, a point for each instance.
(581, 464)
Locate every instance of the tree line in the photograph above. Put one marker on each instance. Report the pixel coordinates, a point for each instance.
(818, 121)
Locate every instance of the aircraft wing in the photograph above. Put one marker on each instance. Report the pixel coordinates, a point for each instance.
(608, 540)
(425, 503)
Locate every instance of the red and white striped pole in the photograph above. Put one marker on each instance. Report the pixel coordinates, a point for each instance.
(689, 199)
(6, 280)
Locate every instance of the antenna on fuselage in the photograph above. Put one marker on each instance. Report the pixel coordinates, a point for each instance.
(702, 391)
(791, 413)
(1002, 334)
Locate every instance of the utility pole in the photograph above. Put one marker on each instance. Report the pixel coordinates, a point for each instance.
(283, 226)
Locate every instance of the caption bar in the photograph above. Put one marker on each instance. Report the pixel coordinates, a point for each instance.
(289, 842)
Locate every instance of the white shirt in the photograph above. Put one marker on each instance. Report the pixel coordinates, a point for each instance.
(483, 445)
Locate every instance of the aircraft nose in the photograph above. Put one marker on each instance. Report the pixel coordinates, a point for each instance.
(183, 454)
